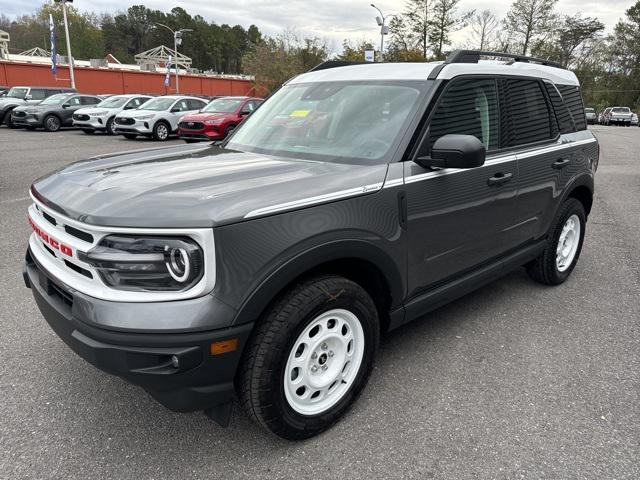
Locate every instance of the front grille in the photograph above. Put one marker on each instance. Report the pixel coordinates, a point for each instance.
(49, 218)
(80, 116)
(80, 270)
(125, 121)
(192, 125)
(53, 289)
(87, 237)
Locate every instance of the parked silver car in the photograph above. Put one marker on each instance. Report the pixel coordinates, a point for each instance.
(101, 117)
(20, 96)
(590, 113)
(158, 118)
(619, 116)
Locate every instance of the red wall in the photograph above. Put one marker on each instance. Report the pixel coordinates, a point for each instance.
(102, 80)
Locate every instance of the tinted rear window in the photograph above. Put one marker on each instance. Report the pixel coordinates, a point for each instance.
(573, 99)
(565, 123)
(529, 116)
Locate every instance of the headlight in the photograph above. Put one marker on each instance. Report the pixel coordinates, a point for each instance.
(215, 121)
(98, 114)
(145, 117)
(147, 263)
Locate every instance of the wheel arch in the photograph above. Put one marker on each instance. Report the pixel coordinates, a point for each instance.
(358, 260)
(582, 190)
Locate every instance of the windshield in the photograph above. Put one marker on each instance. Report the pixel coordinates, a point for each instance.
(17, 92)
(621, 110)
(223, 105)
(157, 104)
(589, 110)
(356, 122)
(113, 102)
(57, 99)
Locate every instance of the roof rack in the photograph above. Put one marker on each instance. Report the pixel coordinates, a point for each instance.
(473, 56)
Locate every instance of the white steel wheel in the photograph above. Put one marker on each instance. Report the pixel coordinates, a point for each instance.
(568, 243)
(324, 362)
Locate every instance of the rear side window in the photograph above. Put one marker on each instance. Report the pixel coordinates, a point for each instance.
(529, 119)
(467, 107)
(573, 99)
(565, 123)
(37, 94)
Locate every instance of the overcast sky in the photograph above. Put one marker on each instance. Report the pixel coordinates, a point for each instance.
(333, 20)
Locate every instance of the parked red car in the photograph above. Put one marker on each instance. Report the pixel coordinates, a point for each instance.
(216, 120)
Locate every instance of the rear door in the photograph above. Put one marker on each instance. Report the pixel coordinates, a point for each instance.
(458, 218)
(536, 135)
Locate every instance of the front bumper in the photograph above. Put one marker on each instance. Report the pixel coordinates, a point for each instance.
(139, 127)
(94, 123)
(210, 132)
(29, 120)
(200, 381)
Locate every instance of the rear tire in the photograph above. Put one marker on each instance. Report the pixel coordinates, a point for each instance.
(309, 357)
(52, 123)
(564, 244)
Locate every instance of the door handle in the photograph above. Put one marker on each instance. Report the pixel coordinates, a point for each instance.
(499, 178)
(560, 163)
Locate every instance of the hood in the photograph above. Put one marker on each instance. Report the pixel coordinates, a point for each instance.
(6, 101)
(138, 113)
(197, 186)
(201, 117)
(89, 110)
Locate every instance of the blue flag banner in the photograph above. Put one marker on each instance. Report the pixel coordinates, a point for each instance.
(167, 78)
(54, 54)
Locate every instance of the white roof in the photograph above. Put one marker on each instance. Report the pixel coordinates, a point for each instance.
(421, 71)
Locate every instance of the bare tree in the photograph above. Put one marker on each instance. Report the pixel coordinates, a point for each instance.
(528, 19)
(445, 20)
(416, 20)
(484, 27)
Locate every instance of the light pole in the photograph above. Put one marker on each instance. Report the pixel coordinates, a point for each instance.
(177, 40)
(384, 29)
(66, 32)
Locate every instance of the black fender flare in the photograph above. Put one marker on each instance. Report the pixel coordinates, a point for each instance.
(583, 180)
(274, 282)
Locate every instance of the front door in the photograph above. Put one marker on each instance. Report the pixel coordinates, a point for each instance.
(459, 218)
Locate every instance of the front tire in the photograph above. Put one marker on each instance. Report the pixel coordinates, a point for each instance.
(111, 126)
(310, 357)
(161, 131)
(52, 123)
(564, 244)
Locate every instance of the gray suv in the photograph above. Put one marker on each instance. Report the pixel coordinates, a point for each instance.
(19, 96)
(356, 199)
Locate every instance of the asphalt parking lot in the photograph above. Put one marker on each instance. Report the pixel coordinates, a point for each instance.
(516, 380)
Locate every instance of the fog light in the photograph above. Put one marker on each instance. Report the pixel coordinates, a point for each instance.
(175, 361)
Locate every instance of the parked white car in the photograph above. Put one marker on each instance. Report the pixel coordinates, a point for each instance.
(158, 118)
(101, 117)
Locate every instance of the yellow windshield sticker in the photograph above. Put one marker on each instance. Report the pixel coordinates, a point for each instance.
(300, 113)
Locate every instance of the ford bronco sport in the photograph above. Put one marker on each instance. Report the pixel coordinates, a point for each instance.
(357, 198)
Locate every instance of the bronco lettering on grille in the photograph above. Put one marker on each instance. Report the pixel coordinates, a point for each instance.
(49, 240)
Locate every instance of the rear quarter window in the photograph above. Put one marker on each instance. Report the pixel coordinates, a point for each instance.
(528, 112)
(573, 99)
(565, 122)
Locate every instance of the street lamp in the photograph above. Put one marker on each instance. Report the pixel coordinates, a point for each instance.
(384, 29)
(177, 40)
(66, 32)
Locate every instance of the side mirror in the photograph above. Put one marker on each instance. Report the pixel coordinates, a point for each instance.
(28, 97)
(65, 105)
(455, 151)
(175, 110)
(245, 112)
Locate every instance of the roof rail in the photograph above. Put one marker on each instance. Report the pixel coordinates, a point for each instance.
(473, 56)
(334, 64)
